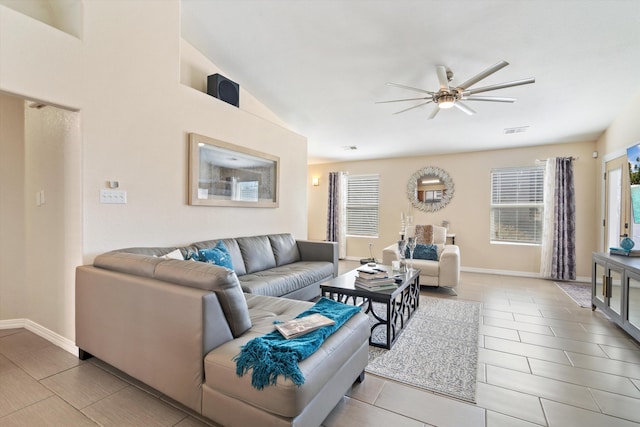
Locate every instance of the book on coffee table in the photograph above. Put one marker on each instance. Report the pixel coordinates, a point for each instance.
(302, 325)
(383, 287)
(372, 272)
(374, 282)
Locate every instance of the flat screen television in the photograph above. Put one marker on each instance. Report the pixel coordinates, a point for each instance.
(633, 157)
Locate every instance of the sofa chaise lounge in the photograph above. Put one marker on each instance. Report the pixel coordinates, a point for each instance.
(177, 325)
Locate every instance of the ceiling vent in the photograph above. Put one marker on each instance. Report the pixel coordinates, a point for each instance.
(509, 131)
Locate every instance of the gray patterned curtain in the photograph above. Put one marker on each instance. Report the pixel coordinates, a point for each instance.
(333, 211)
(560, 262)
(336, 212)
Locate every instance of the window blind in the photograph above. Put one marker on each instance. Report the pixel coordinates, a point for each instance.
(362, 205)
(517, 203)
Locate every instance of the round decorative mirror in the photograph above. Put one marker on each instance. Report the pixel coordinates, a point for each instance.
(430, 189)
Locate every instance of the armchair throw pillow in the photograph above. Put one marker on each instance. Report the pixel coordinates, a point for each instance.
(428, 252)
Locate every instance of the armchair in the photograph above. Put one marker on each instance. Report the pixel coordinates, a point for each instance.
(445, 271)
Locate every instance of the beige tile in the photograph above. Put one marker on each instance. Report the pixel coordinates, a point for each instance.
(504, 360)
(524, 310)
(494, 331)
(368, 390)
(604, 329)
(624, 354)
(560, 415)
(584, 377)
(19, 390)
(132, 406)
(508, 402)
(125, 377)
(83, 385)
(6, 364)
(538, 320)
(610, 366)
(583, 316)
(428, 407)
(353, 413)
(521, 299)
(540, 386)
(46, 361)
(486, 312)
(20, 343)
(495, 419)
(609, 340)
(550, 301)
(6, 332)
(481, 373)
(562, 344)
(529, 350)
(520, 326)
(192, 422)
(617, 405)
(52, 411)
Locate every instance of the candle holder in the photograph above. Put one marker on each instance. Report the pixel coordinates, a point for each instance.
(402, 247)
(411, 244)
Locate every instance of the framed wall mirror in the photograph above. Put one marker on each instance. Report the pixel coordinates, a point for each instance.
(224, 174)
(430, 189)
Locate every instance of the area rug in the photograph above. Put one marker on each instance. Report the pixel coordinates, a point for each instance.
(578, 292)
(438, 350)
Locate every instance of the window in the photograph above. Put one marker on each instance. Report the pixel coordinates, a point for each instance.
(362, 205)
(517, 205)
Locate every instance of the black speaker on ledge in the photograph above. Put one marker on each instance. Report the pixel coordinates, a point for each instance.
(224, 89)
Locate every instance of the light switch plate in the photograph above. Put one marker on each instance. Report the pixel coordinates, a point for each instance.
(113, 196)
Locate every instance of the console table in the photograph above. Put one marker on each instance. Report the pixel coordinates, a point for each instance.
(615, 289)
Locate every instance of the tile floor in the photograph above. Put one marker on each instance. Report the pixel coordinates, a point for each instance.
(543, 361)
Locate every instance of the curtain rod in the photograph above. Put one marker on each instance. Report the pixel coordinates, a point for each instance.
(544, 160)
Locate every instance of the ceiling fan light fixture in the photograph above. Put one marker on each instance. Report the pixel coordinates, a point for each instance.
(446, 101)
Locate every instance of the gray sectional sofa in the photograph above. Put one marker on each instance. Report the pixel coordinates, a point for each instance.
(176, 325)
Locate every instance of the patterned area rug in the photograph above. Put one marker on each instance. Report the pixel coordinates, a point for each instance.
(438, 350)
(579, 292)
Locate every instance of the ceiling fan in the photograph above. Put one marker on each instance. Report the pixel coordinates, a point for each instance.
(452, 96)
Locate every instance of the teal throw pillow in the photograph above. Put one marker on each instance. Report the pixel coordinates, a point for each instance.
(428, 252)
(218, 255)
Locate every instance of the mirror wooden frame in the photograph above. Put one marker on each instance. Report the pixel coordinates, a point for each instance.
(412, 189)
(224, 174)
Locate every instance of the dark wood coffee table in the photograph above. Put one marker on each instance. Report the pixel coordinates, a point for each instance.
(400, 303)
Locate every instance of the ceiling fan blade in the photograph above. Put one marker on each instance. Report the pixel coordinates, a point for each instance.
(410, 88)
(460, 106)
(441, 71)
(486, 73)
(411, 108)
(499, 86)
(434, 113)
(489, 98)
(402, 100)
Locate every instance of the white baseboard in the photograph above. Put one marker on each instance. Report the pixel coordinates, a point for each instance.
(41, 331)
(514, 273)
(499, 272)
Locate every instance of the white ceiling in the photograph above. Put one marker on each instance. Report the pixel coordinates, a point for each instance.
(321, 65)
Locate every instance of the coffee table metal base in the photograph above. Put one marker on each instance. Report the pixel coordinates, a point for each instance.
(399, 305)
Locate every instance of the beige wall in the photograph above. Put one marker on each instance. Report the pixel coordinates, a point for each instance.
(53, 236)
(12, 209)
(468, 212)
(135, 112)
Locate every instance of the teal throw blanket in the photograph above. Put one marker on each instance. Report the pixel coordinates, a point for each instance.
(271, 355)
